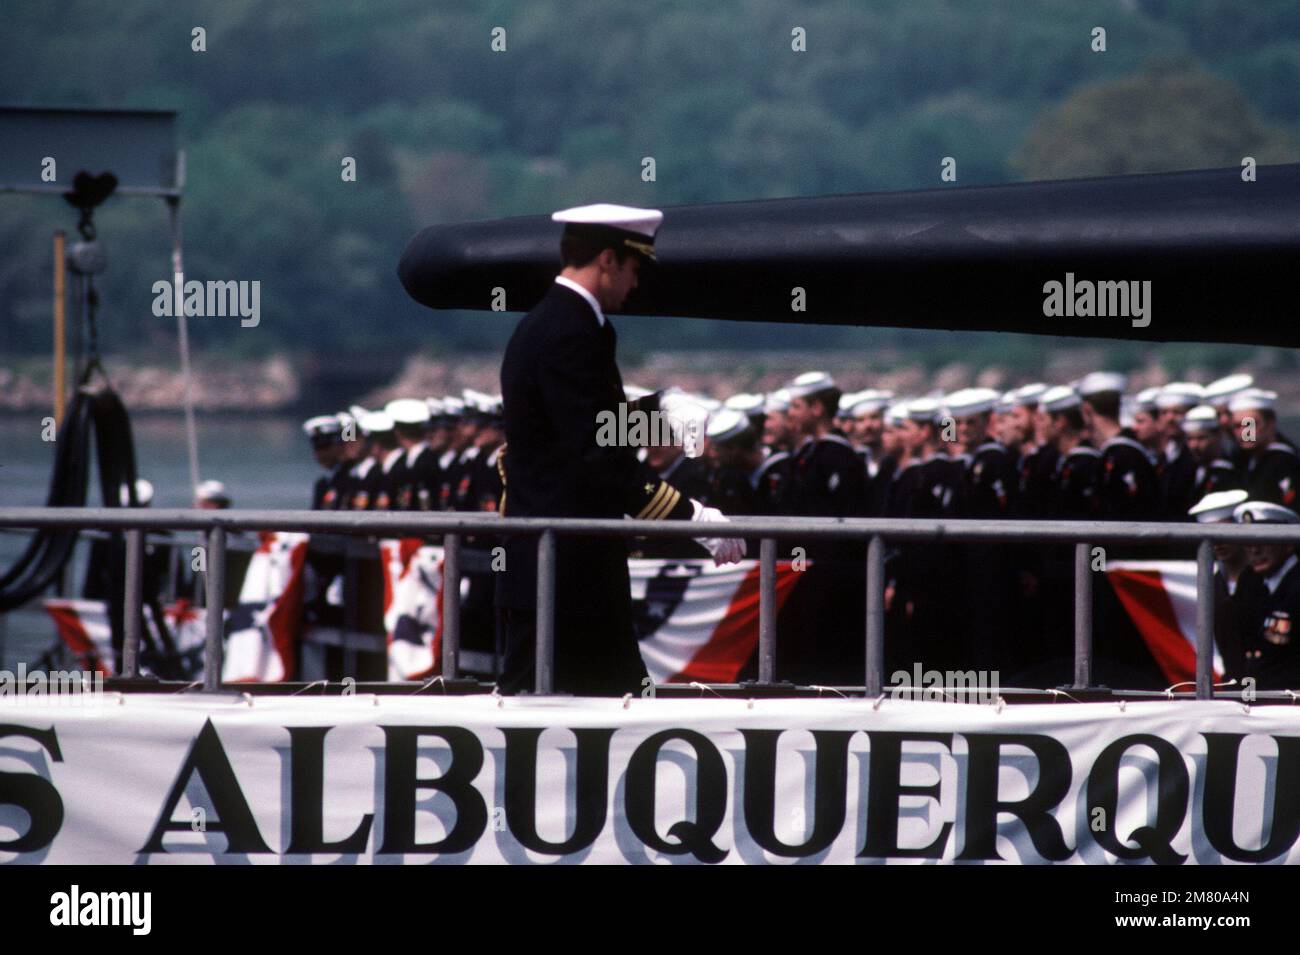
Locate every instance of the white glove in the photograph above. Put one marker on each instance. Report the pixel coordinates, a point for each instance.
(687, 420)
(725, 550)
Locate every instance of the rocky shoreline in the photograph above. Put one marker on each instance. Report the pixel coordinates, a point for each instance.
(281, 384)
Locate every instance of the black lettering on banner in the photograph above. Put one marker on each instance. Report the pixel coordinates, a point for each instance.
(307, 796)
(1221, 792)
(401, 784)
(830, 790)
(1035, 810)
(710, 797)
(208, 758)
(33, 794)
(591, 788)
(884, 788)
(1171, 800)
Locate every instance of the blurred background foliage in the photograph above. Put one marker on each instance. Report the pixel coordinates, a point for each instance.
(445, 129)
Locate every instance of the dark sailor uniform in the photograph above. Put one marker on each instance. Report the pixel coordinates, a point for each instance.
(389, 480)
(330, 492)
(1272, 644)
(1177, 476)
(1036, 481)
(1127, 486)
(1073, 493)
(419, 479)
(990, 484)
(1219, 475)
(988, 581)
(827, 479)
(771, 481)
(1274, 475)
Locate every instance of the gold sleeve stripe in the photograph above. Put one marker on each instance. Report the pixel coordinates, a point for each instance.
(648, 512)
(662, 503)
(669, 503)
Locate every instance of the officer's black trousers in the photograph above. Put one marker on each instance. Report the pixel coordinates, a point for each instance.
(594, 656)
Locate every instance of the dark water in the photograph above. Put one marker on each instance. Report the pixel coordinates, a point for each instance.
(264, 462)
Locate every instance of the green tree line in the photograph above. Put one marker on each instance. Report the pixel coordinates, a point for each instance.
(444, 128)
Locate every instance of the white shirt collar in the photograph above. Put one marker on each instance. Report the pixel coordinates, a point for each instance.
(414, 452)
(1272, 581)
(591, 299)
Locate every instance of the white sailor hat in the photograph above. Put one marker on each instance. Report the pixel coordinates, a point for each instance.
(408, 411)
(896, 413)
(810, 383)
(1264, 512)
(452, 406)
(1201, 418)
(1220, 392)
(966, 402)
(622, 225)
(211, 491)
(477, 402)
(727, 425)
(1059, 398)
(1217, 507)
(322, 428)
(143, 493)
(321, 425)
(745, 403)
(435, 407)
(346, 418)
(1101, 382)
(1005, 402)
(357, 412)
(778, 400)
(1028, 395)
(925, 410)
(373, 422)
(1253, 399)
(870, 401)
(1145, 400)
(846, 402)
(1179, 394)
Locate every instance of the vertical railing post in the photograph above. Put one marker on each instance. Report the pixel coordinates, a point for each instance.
(766, 610)
(450, 605)
(132, 601)
(875, 675)
(1205, 621)
(1082, 617)
(545, 657)
(215, 587)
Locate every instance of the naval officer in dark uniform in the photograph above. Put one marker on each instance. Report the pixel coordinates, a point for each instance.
(559, 378)
(1272, 641)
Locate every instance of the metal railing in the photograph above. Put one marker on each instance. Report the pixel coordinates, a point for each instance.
(454, 527)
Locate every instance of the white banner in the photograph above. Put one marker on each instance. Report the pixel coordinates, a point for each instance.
(167, 779)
